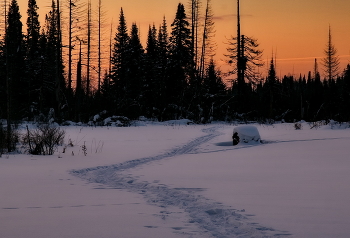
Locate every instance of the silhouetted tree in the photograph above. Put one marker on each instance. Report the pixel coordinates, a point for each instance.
(33, 56)
(181, 59)
(163, 64)
(331, 60)
(214, 92)
(52, 80)
(14, 51)
(16, 87)
(250, 58)
(207, 48)
(151, 85)
(119, 59)
(271, 85)
(134, 75)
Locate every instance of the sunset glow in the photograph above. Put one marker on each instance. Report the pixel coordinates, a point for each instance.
(296, 31)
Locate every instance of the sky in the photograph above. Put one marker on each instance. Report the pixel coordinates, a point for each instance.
(294, 31)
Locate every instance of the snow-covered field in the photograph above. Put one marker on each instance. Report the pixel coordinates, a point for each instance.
(177, 180)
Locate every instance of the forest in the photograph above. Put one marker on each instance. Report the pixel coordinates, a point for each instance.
(173, 76)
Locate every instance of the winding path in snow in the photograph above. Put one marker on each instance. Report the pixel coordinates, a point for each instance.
(213, 219)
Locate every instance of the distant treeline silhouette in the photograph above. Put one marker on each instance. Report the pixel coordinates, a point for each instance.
(173, 77)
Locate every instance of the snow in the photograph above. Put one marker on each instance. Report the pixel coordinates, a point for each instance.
(176, 179)
(247, 134)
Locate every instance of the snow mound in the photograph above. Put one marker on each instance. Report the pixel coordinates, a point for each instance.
(245, 134)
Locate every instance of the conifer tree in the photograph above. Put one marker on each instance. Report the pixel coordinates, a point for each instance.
(33, 53)
(119, 60)
(163, 44)
(331, 60)
(33, 32)
(135, 69)
(3, 22)
(250, 58)
(214, 91)
(271, 84)
(151, 89)
(16, 87)
(181, 58)
(163, 68)
(52, 79)
(17, 95)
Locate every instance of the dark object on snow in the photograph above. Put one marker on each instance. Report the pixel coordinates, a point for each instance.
(235, 138)
(246, 134)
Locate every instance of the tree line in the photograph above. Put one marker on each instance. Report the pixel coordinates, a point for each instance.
(174, 76)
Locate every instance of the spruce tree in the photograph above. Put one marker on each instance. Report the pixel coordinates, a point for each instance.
(52, 79)
(331, 60)
(135, 75)
(17, 87)
(119, 59)
(151, 85)
(163, 68)
(181, 59)
(271, 84)
(214, 91)
(33, 54)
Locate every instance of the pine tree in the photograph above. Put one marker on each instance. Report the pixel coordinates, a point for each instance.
(344, 88)
(163, 68)
(17, 95)
(331, 60)
(135, 74)
(250, 58)
(52, 79)
(214, 91)
(181, 58)
(151, 85)
(271, 84)
(3, 79)
(119, 60)
(16, 87)
(33, 31)
(33, 54)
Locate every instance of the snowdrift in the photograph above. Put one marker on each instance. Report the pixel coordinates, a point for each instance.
(245, 134)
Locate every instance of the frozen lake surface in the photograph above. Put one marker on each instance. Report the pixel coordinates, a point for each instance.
(177, 180)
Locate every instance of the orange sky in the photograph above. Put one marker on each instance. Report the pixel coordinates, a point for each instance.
(297, 30)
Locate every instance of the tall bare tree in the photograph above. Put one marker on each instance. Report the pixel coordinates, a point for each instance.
(207, 49)
(102, 32)
(75, 21)
(195, 25)
(88, 53)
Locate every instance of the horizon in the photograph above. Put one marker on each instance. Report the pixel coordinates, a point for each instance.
(295, 33)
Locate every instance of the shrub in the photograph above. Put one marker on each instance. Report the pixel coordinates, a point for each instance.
(44, 139)
(298, 126)
(2, 139)
(9, 140)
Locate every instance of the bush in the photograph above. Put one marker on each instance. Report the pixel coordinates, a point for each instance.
(2, 140)
(298, 126)
(44, 139)
(8, 141)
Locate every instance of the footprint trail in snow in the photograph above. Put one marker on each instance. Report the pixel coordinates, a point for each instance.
(212, 218)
